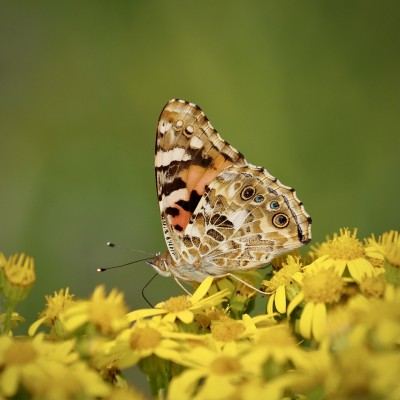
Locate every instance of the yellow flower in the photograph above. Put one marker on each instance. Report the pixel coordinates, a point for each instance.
(205, 318)
(227, 330)
(373, 286)
(258, 388)
(277, 345)
(50, 315)
(387, 250)
(283, 285)
(347, 253)
(17, 276)
(146, 338)
(183, 307)
(386, 247)
(106, 314)
(321, 286)
(45, 370)
(213, 374)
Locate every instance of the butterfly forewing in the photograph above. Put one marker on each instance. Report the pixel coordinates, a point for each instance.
(189, 155)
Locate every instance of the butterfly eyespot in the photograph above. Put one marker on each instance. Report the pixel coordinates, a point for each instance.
(189, 130)
(280, 220)
(274, 205)
(179, 124)
(259, 198)
(247, 193)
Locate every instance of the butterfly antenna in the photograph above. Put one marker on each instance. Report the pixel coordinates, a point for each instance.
(122, 265)
(111, 244)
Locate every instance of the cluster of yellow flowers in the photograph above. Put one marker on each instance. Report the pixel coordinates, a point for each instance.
(330, 329)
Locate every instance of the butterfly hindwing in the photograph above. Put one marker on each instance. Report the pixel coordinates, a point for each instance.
(245, 219)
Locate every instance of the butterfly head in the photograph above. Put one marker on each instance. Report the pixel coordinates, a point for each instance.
(161, 263)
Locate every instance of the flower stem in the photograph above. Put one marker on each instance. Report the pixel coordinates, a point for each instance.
(7, 320)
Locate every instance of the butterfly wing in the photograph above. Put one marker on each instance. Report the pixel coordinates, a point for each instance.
(244, 220)
(189, 155)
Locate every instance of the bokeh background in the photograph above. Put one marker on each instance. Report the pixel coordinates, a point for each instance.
(310, 90)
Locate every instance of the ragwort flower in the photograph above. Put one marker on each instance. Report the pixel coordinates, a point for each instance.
(101, 313)
(147, 337)
(321, 287)
(17, 276)
(282, 286)
(45, 370)
(387, 249)
(212, 374)
(183, 307)
(347, 253)
(50, 315)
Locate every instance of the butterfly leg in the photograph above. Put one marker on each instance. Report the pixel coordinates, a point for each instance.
(180, 284)
(241, 281)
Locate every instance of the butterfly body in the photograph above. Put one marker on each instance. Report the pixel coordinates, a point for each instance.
(220, 214)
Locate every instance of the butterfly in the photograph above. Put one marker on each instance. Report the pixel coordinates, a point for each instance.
(220, 214)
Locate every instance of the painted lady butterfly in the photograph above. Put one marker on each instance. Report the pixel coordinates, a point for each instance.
(219, 213)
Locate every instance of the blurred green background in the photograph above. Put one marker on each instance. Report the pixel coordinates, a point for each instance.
(310, 90)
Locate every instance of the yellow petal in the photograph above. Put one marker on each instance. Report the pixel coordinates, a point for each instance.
(340, 266)
(295, 302)
(148, 312)
(306, 320)
(9, 381)
(185, 316)
(359, 269)
(319, 322)
(202, 290)
(215, 385)
(270, 304)
(33, 328)
(280, 299)
(184, 385)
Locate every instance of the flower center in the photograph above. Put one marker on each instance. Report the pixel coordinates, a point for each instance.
(227, 330)
(176, 304)
(343, 247)
(322, 287)
(20, 353)
(284, 275)
(225, 365)
(57, 303)
(144, 338)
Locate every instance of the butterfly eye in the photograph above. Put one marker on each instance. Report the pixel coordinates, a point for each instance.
(274, 205)
(259, 198)
(247, 193)
(280, 220)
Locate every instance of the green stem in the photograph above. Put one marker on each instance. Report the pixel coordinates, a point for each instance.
(7, 319)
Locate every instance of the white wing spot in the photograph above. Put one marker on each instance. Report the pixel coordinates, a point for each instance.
(164, 158)
(179, 124)
(196, 143)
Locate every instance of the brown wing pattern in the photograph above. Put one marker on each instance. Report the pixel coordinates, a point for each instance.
(245, 219)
